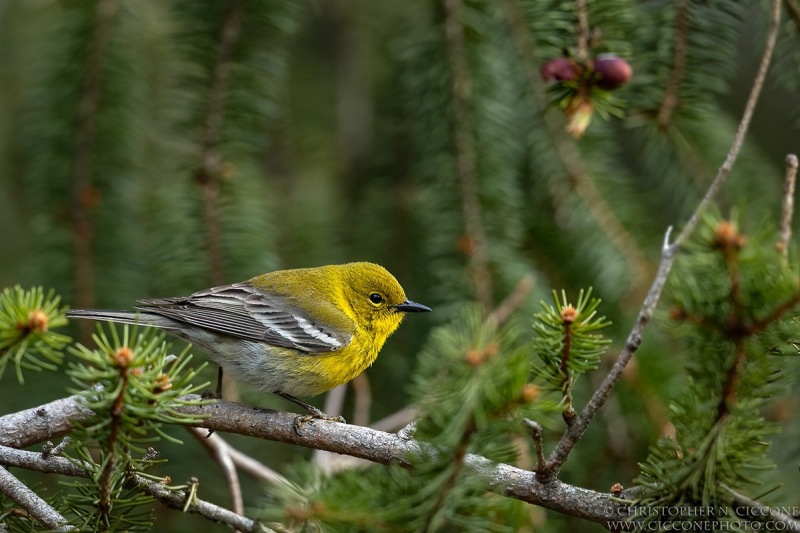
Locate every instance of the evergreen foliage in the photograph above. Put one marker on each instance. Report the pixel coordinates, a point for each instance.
(154, 148)
(567, 344)
(734, 300)
(133, 385)
(130, 382)
(26, 336)
(472, 393)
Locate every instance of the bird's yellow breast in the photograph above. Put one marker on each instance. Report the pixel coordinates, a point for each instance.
(313, 374)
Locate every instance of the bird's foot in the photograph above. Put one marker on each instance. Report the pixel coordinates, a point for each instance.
(315, 414)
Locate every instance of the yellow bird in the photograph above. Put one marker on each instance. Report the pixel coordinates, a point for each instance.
(297, 332)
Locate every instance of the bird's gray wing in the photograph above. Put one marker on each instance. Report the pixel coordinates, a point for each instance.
(240, 310)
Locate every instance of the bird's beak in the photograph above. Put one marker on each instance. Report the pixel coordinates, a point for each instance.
(412, 307)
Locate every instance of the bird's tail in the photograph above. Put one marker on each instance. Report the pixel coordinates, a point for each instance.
(123, 317)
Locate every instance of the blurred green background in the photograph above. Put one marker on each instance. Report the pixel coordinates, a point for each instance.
(154, 148)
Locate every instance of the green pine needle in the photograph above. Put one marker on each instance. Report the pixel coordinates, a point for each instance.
(27, 318)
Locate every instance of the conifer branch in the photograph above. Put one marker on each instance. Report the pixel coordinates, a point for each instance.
(476, 242)
(787, 206)
(670, 101)
(568, 412)
(115, 420)
(457, 466)
(208, 175)
(82, 191)
(170, 498)
(574, 433)
(794, 11)
(355, 441)
(776, 314)
(728, 397)
(570, 156)
(36, 507)
(734, 329)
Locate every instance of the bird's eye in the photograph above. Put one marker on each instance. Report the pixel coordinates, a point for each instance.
(375, 298)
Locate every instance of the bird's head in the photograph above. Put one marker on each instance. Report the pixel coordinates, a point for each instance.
(377, 298)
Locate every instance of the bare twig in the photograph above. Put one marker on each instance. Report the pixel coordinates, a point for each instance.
(387, 448)
(220, 451)
(178, 500)
(362, 400)
(37, 508)
(794, 11)
(356, 441)
(334, 405)
(749, 509)
(396, 420)
(511, 303)
(34, 461)
(582, 50)
(49, 449)
(475, 239)
(787, 208)
(670, 101)
(536, 435)
(744, 124)
(254, 468)
(403, 419)
(408, 431)
(573, 434)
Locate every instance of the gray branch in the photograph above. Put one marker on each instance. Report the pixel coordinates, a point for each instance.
(49, 517)
(356, 441)
(39, 463)
(37, 508)
(575, 432)
(215, 513)
(24, 428)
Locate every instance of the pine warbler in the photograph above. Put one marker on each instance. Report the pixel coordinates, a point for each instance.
(292, 332)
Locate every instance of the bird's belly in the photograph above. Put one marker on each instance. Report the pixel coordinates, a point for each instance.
(277, 369)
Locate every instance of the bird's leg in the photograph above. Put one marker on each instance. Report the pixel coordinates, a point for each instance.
(219, 382)
(217, 395)
(315, 413)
